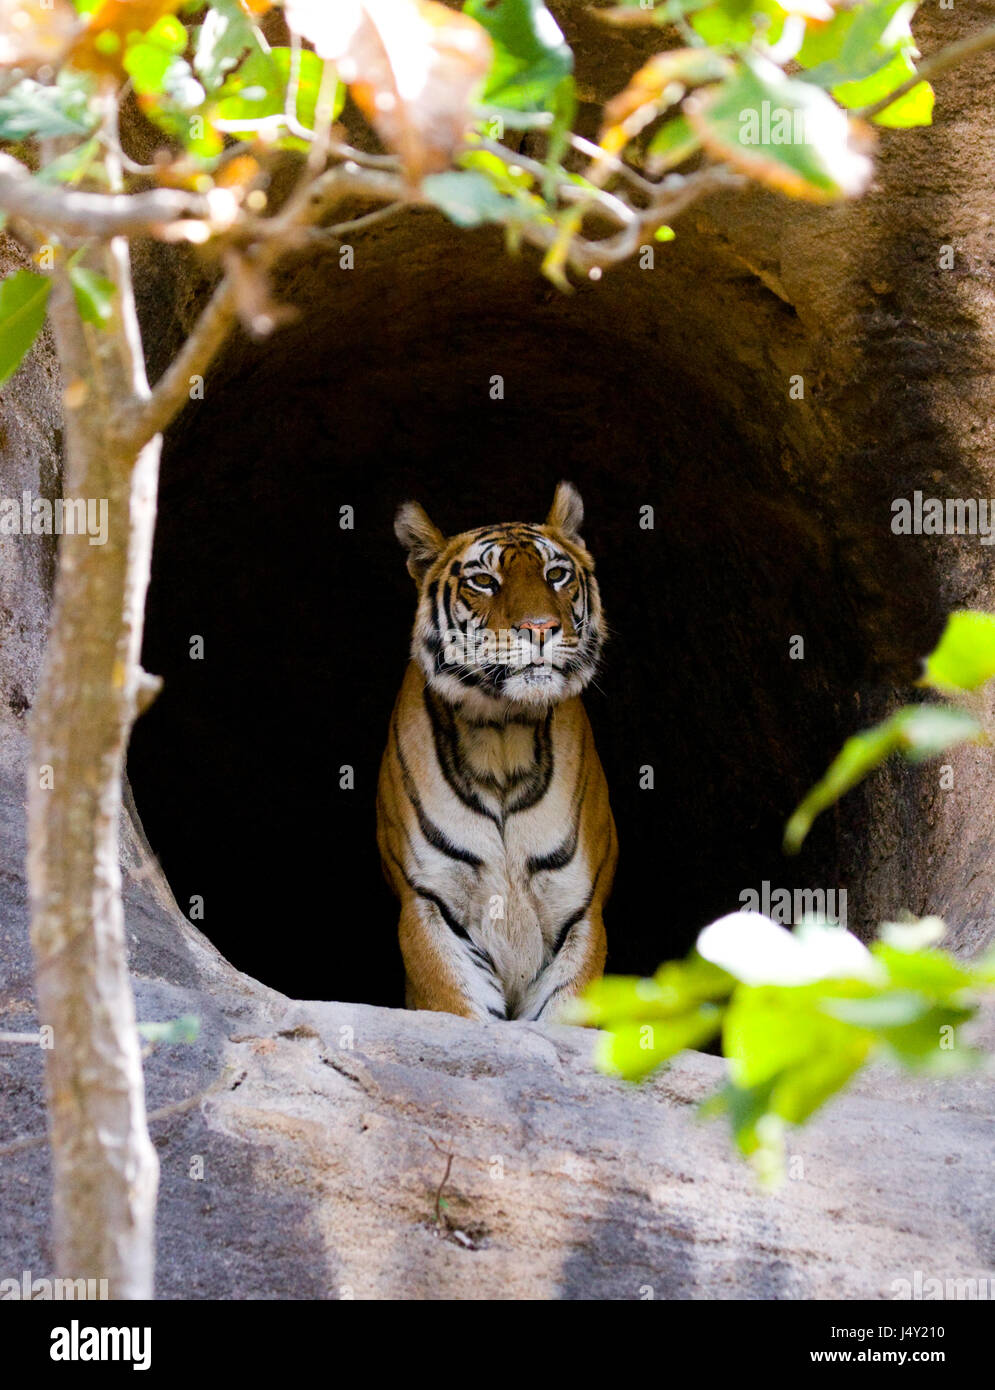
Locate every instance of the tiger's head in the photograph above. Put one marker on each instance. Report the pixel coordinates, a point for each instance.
(509, 617)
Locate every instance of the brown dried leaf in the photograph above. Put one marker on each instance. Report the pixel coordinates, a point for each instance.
(412, 67)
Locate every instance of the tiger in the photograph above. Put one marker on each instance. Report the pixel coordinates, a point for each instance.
(493, 819)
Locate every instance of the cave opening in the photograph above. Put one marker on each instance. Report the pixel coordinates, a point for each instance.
(280, 607)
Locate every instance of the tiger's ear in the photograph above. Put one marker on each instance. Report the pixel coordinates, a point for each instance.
(566, 515)
(423, 541)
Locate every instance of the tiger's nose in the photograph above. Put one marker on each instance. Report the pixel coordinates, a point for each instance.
(538, 625)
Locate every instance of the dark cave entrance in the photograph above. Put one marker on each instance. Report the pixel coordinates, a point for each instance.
(381, 393)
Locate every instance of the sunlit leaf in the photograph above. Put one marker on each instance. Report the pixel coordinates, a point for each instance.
(734, 22)
(633, 1050)
(505, 178)
(23, 301)
(258, 89)
(223, 39)
(930, 1042)
(912, 935)
(781, 131)
(915, 108)
(934, 973)
(917, 731)
(102, 45)
(859, 41)
(964, 658)
(156, 68)
(531, 56)
(759, 951)
(412, 66)
(768, 1030)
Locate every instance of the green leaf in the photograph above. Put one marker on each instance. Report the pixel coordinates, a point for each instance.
(23, 301)
(930, 1042)
(678, 987)
(157, 72)
(501, 175)
(857, 41)
(886, 1010)
(184, 1029)
(633, 1050)
(531, 56)
(781, 131)
(804, 1089)
(31, 110)
(672, 144)
(94, 295)
(915, 108)
(770, 1028)
(225, 36)
(964, 658)
(258, 89)
(918, 731)
(934, 973)
(746, 1107)
(467, 197)
(733, 22)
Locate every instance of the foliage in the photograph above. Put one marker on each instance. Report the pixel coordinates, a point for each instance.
(799, 1013)
(768, 91)
(963, 660)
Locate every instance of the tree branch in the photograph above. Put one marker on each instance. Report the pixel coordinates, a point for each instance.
(273, 238)
(172, 390)
(102, 215)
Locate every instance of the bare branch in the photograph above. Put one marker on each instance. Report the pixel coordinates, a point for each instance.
(272, 239)
(101, 215)
(172, 390)
(673, 196)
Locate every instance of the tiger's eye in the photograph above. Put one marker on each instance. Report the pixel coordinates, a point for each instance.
(556, 574)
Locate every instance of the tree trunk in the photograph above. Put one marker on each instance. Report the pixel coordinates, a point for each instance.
(105, 1168)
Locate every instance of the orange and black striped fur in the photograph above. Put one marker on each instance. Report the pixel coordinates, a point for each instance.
(493, 818)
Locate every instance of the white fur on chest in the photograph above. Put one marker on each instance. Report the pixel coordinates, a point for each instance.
(511, 908)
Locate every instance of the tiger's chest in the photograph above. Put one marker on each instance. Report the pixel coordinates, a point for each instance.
(508, 800)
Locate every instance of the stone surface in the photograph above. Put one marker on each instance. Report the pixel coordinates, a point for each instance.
(309, 1162)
